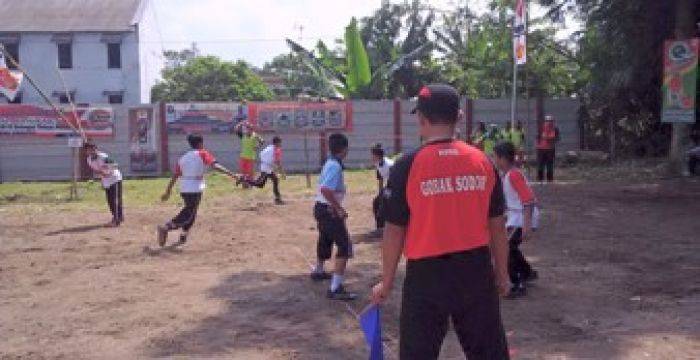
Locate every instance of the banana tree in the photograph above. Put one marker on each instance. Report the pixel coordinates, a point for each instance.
(356, 78)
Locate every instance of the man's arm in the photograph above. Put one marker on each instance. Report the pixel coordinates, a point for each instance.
(392, 247)
(499, 252)
(329, 195)
(220, 168)
(169, 188)
(397, 214)
(499, 239)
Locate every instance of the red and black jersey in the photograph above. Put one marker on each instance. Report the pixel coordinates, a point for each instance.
(444, 194)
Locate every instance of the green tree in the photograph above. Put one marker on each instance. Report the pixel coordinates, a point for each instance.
(621, 48)
(208, 78)
(477, 55)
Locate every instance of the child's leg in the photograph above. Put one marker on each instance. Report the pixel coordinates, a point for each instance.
(187, 213)
(540, 165)
(341, 238)
(276, 186)
(378, 209)
(521, 269)
(260, 181)
(550, 165)
(513, 255)
(111, 193)
(120, 209)
(324, 247)
(194, 201)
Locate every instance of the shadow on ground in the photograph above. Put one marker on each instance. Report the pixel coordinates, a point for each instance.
(264, 310)
(76, 229)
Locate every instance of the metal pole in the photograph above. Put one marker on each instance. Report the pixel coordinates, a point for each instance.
(514, 100)
(306, 159)
(74, 184)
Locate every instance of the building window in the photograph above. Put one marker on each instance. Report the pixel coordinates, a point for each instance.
(17, 100)
(63, 99)
(13, 50)
(65, 55)
(115, 98)
(114, 56)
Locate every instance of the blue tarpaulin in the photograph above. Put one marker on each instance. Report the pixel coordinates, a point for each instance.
(370, 322)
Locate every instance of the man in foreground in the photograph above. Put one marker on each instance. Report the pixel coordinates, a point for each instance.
(444, 210)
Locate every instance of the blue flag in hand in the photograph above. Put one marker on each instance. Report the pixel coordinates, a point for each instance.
(370, 322)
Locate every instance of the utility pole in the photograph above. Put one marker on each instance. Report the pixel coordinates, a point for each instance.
(685, 29)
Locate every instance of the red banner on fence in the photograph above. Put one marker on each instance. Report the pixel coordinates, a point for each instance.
(39, 121)
(285, 117)
(142, 140)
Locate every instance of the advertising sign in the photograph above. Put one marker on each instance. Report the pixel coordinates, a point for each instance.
(43, 121)
(142, 140)
(302, 116)
(204, 118)
(680, 81)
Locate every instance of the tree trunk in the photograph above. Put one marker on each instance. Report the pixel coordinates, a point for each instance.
(685, 29)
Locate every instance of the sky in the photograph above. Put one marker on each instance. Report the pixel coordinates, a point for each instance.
(254, 30)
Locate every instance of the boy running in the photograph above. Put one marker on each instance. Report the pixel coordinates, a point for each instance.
(522, 217)
(270, 166)
(111, 178)
(190, 169)
(330, 217)
(250, 141)
(383, 164)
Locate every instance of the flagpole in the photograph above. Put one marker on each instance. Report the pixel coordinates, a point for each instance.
(514, 100)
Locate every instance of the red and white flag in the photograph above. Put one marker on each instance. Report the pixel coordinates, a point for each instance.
(520, 33)
(10, 81)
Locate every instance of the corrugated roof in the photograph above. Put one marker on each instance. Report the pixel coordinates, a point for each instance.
(68, 15)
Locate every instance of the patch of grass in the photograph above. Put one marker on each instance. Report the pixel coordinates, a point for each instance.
(147, 192)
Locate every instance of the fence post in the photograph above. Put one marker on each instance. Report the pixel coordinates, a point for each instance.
(322, 148)
(469, 115)
(164, 157)
(397, 126)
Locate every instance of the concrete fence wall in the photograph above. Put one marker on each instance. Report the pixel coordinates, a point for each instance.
(34, 158)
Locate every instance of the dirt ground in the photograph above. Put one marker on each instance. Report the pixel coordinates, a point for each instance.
(619, 266)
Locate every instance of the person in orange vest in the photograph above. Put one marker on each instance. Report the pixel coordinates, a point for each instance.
(546, 141)
(444, 211)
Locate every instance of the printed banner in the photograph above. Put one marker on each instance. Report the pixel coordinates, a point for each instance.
(204, 118)
(302, 116)
(142, 140)
(17, 119)
(680, 81)
(10, 81)
(520, 33)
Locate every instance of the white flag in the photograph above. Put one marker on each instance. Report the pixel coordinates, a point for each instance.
(519, 33)
(10, 81)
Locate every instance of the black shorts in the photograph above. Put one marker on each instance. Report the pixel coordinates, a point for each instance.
(460, 287)
(331, 230)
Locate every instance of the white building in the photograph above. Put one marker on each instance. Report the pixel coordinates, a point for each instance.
(108, 51)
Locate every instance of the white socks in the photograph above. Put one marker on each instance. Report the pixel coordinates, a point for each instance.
(336, 281)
